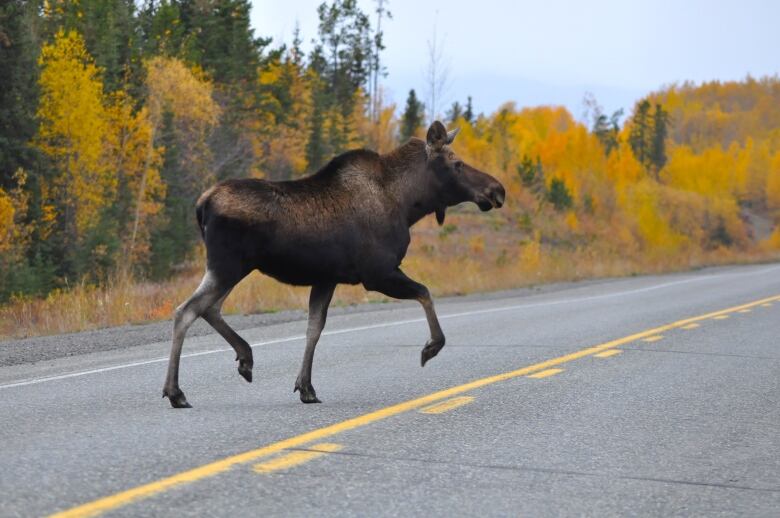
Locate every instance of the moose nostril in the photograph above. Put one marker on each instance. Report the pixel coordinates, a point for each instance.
(498, 195)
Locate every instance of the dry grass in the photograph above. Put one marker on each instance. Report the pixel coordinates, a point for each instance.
(460, 261)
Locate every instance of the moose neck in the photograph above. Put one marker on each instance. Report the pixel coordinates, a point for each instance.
(408, 181)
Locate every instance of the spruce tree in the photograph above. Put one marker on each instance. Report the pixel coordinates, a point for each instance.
(639, 137)
(223, 41)
(343, 55)
(413, 116)
(455, 112)
(658, 142)
(316, 147)
(559, 195)
(607, 130)
(468, 113)
(172, 241)
(648, 136)
(19, 49)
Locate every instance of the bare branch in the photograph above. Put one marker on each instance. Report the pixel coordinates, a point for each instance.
(437, 74)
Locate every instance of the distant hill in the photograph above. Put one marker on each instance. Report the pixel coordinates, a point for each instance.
(722, 113)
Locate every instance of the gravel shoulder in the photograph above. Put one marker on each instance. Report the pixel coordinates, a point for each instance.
(44, 348)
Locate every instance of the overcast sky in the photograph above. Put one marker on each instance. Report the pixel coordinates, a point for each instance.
(553, 51)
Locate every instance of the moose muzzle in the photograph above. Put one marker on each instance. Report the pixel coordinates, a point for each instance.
(491, 197)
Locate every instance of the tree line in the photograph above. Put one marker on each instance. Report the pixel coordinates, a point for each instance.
(115, 115)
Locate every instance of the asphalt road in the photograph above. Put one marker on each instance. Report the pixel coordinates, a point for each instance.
(648, 396)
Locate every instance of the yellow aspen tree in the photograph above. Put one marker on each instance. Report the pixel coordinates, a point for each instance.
(279, 132)
(773, 184)
(136, 162)
(757, 172)
(15, 233)
(72, 129)
(381, 128)
(386, 128)
(7, 224)
(185, 93)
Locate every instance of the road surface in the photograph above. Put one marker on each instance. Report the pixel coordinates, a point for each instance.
(650, 396)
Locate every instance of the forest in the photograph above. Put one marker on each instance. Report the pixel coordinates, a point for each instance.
(116, 114)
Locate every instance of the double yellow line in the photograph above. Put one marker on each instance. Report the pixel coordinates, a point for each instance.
(129, 496)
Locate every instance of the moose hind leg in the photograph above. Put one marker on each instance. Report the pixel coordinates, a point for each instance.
(209, 292)
(213, 316)
(319, 300)
(399, 286)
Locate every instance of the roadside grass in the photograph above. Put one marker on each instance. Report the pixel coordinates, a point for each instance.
(468, 259)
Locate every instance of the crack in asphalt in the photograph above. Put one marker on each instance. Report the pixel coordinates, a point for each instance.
(535, 469)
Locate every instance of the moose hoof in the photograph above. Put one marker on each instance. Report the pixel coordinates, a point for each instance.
(431, 349)
(245, 370)
(177, 399)
(308, 395)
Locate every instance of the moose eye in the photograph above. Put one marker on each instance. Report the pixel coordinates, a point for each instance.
(458, 165)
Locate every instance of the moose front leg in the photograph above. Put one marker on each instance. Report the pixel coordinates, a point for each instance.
(399, 286)
(319, 300)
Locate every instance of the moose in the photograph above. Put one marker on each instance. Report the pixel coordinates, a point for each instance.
(348, 223)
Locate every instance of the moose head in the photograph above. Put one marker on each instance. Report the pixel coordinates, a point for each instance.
(456, 181)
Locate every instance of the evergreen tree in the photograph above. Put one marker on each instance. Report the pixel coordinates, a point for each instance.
(468, 113)
(172, 241)
(559, 195)
(109, 29)
(607, 130)
(641, 131)
(342, 61)
(455, 112)
(648, 136)
(658, 142)
(160, 29)
(217, 37)
(223, 42)
(316, 149)
(527, 171)
(19, 49)
(413, 116)
(345, 39)
(532, 177)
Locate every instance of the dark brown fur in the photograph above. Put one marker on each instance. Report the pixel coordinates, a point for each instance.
(346, 224)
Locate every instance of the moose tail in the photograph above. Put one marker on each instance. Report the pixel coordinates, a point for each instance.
(201, 207)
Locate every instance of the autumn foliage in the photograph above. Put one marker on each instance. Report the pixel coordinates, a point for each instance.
(121, 121)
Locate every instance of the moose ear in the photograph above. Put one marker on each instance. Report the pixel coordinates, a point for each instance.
(452, 134)
(440, 212)
(437, 135)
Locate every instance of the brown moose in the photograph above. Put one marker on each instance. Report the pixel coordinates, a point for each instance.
(346, 224)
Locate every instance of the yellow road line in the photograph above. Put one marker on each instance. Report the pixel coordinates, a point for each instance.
(744, 310)
(545, 373)
(720, 317)
(449, 404)
(607, 354)
(692, 325)
(654, 338)
(122, 498)
(296, 457)
(766, 305)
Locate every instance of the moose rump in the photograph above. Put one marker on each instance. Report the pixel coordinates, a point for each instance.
(346, 224)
